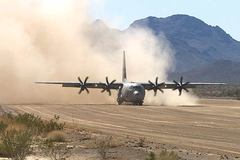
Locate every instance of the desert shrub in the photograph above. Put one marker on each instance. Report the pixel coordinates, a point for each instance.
(56, 136)
(18, 131)
(54, 124)
(16, 144)
(151, 156)
(35, 124)
(141, 142)
(3, 152)
(32, 122)
(103, 146)
(9, 116)
(55, 151)
(3, 126)
(164, 155)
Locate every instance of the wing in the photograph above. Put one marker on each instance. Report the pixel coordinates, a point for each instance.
(190, 85)
(78, 85)
(174, 86)
(84, 85)
(169, 85)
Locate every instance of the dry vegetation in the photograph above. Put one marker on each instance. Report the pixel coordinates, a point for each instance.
(225, 91)
(25, 134)
(18, 133)
(164, 155)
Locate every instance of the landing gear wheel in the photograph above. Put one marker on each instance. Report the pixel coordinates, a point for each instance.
(119, 101)
(138, 103)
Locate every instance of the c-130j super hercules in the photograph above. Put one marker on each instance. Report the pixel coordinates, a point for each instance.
(133, 92)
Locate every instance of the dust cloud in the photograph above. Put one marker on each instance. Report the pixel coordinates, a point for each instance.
(54, 40)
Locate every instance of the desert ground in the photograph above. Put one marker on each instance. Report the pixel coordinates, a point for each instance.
(209, 130)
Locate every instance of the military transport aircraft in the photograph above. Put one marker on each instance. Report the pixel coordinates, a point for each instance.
(133, 92)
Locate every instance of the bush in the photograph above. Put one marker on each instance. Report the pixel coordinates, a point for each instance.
(141, 142)
(103, 146)
(16, 144)
(35, 124)
(3, 126)
(55, 151)
(53, 124)
(164, 155)
(151, 156)
(17, 133)
(32, 122)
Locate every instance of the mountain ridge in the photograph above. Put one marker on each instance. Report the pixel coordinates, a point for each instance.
(203, 52)
(194, 41)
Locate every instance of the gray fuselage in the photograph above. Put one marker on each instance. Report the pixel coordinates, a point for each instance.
(131, 92)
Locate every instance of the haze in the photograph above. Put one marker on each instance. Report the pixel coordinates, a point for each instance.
(51, 40)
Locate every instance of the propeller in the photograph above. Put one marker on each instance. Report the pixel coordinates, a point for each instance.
(157, 86)
(107, 86)
(83, 85)
(181, 86)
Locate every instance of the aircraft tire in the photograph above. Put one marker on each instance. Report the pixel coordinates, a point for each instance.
(119, 101)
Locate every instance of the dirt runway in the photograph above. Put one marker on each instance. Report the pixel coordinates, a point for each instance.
(212, 126)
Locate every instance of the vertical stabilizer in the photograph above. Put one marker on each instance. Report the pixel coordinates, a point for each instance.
(124, 72)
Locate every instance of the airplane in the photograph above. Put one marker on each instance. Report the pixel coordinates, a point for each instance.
(129, 92)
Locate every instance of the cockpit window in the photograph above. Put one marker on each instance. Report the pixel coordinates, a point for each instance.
(137, 88)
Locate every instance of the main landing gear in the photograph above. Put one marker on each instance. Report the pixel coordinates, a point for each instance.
(119, 101)
(138, 103)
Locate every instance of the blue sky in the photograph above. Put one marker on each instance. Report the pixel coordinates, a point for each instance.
(121, 13)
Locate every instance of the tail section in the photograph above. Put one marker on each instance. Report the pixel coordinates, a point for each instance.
(124, 72)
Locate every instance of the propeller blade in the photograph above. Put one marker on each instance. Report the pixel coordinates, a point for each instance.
(155, 92)
(109, 92)
(151, 82)
(176, 82)
(103, 90)
(87, 90)
(107, 81)
(181, 80)
(186, 89)
(180, 92)
(85, 81)
(156, 82)
(79, 79)
(113, 82)
(160, 90)
(80, 91)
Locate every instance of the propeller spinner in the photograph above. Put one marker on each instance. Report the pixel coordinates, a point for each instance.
(157, 86)
(181, 86)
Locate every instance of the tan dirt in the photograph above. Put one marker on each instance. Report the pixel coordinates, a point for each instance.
(212, 126)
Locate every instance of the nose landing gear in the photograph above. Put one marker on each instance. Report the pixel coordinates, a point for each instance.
(119, 101)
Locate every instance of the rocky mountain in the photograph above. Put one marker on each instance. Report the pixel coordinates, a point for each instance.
(196, 43)
(202, 52)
